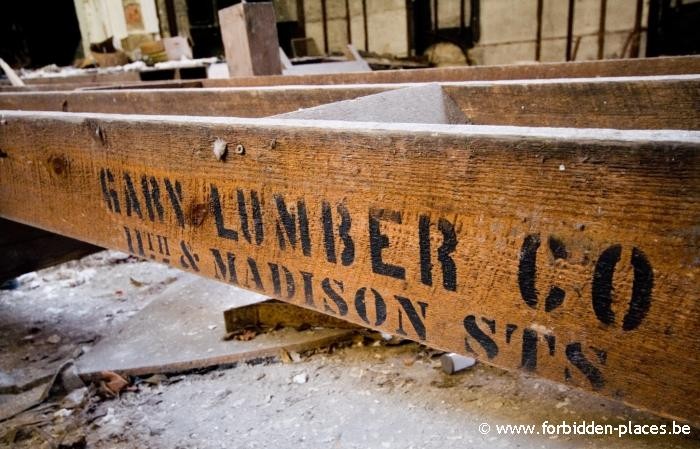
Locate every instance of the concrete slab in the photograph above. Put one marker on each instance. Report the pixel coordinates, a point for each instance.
(423, 104)
(182, 329)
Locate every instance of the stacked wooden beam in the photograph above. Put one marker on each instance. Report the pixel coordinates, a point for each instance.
(548, 225)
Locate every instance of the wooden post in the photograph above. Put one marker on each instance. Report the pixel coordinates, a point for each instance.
(570, 29)
(249, 34)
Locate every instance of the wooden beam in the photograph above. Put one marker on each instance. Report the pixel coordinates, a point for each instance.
(249, 34)
(238, 102)
(568, 253)
(675, 65)
(583, 69)
(622, 103)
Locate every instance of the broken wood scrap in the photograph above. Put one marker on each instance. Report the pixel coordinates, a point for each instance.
(274, 314)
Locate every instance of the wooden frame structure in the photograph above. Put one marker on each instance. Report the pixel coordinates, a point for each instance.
(569, 252)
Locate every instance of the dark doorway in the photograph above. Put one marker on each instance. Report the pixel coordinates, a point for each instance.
(35, 34)
(674, 27)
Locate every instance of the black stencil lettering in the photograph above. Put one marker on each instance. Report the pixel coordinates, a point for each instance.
(339, 301)
(188, 259)
(163, 245)
(129, 243)
(602, 287)
(243, 215)
(151, 192)
(139, 243)
(130, 198)
(379, 306)
(529, 354)
(449, 243)
(642, 285)
(490, 323)
(328, 236)
(286, 225)
(221, 229)
(426, 265)
(255, 273)
(379, 241)
(221, 268)
(150, 243)
(277, 283)
(347, 257)
(175, 196)
(576, 357)
(257, 216)
(527, 272)
(413, 316)
(510, 328)
(477, 334)
(551, 343)
(307, 279)
(109, 194)
(348, 254)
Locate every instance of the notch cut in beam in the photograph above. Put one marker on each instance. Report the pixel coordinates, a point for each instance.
(621, 103)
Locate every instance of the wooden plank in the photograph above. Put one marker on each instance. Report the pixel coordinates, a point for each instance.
(623, 103)
(571, 254)
(207, 102)
(26, 249)
(272, 314)
(674, 65)
(581, 69)
(249, 34)
(86, 78)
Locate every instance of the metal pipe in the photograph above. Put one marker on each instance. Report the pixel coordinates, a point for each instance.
(325, 26)
(347, 21)
(636, 41)
(435, 22)
(538, 39)
(601, 29)
(569, 29)
(364, 21)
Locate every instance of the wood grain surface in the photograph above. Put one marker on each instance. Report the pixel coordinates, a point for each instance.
(670, 102)
(672, 65)
(676, 65)
(568, 253)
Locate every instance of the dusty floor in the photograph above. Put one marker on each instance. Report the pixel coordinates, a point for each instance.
(368, 395)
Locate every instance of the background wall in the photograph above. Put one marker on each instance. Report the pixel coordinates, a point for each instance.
(508, 27)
